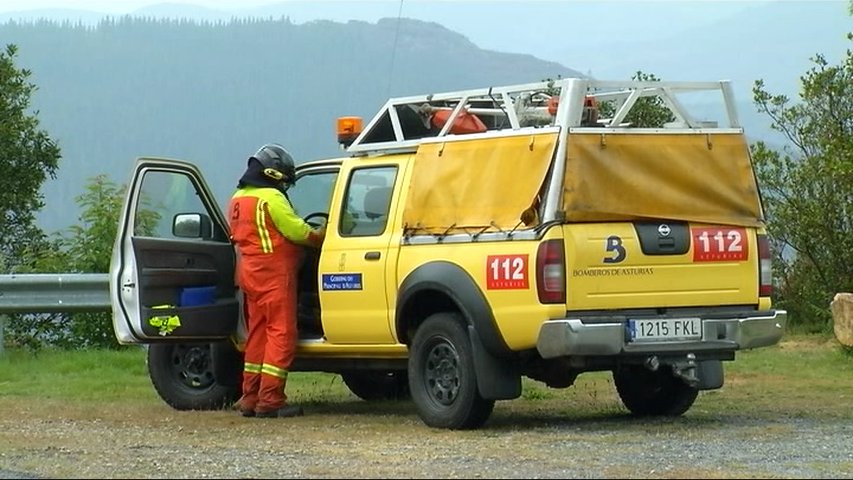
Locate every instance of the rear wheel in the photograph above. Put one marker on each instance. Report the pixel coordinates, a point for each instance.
(653, 393)
(372, 385)
(442, 378)
(183, 376)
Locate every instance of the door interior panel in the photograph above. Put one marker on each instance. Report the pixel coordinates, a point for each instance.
(186, 287)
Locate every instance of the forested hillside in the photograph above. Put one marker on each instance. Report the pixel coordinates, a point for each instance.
(212, 92)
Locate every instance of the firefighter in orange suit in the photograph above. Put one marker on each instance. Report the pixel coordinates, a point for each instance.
(269, 237)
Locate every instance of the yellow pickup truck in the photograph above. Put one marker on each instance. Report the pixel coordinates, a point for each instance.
(474, 238)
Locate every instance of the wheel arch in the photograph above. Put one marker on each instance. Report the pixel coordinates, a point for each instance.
(444, 286)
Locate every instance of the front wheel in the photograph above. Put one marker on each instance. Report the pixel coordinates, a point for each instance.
(442, 378)
(653, 393)
(183, 376)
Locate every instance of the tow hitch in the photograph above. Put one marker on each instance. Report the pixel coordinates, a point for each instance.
(683, 368)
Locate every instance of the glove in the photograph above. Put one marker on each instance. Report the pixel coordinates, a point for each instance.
(317, 236)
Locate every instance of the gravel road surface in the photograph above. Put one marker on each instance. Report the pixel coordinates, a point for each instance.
(357, 440)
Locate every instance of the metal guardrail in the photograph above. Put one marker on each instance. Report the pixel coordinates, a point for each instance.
(52, 293)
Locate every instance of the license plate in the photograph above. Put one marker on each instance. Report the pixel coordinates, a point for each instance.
(664, 329)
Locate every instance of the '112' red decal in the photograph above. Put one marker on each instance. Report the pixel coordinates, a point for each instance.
(720, 244)
(504, 272)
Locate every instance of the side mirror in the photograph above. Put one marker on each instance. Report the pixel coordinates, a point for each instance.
(192, 225)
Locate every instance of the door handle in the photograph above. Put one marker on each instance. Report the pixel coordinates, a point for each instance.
(372, 255)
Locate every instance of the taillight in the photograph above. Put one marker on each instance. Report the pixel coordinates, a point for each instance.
(551, 272)
(765, 267)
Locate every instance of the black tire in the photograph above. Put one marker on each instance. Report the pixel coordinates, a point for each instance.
(183, 376)
(377, 385)
(442, 378)
(648, 393)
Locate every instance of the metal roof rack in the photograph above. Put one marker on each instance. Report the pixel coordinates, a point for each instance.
(405, 122)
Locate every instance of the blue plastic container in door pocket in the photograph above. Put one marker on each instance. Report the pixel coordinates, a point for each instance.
(194, 296)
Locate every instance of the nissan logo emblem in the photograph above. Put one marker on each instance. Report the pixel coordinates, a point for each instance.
(664, 230)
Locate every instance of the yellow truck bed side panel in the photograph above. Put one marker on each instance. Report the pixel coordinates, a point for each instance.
(505, 272)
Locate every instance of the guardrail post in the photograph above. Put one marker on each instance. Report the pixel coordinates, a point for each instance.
(2, 336)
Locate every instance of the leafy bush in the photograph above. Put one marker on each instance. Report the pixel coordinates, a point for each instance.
(808, 191)
(84, 248)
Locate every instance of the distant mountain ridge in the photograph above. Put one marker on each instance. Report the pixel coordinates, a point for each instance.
(213, 92)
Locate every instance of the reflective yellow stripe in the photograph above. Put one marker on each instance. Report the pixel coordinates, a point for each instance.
(261, 223)
(251, 367)
(274, 371)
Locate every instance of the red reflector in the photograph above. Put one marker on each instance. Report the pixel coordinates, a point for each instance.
(551, 272)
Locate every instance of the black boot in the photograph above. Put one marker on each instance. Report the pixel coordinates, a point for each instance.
(283, 412)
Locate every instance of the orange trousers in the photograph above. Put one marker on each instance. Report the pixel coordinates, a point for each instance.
(270, 290)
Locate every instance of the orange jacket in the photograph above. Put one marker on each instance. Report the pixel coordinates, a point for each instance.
(263, 222)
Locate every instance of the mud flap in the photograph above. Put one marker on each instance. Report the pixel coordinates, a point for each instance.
(710, 373)
(497, 378)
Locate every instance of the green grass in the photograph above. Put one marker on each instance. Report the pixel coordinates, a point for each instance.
(76, 375)
(805, 375)
(121, 376)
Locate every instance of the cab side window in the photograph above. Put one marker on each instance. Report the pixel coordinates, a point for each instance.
(168, 201)
(311, 195)
(368, 201)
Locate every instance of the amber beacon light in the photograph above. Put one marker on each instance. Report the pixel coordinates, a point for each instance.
(348, 130)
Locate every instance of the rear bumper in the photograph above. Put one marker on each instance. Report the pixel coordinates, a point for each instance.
(571, 336)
